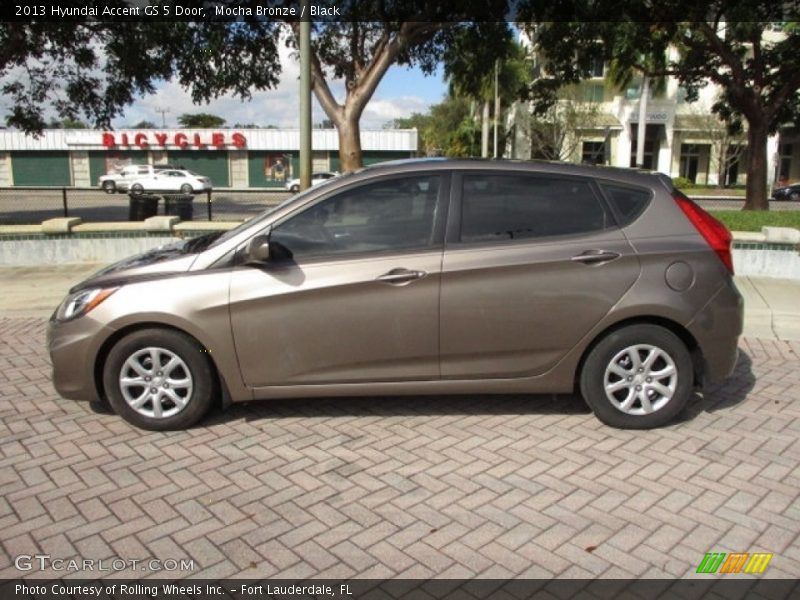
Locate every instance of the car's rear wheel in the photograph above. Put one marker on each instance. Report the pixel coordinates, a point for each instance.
(637, 377)
(186, 189)
(109, 187)
(794, 196)
(159, 379)
(137, 189)
(294, 189)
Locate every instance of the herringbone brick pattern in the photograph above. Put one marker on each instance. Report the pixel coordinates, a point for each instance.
(403, 487)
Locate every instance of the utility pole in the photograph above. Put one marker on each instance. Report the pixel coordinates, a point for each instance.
(305, 95)
(496, 102)
(641, 131)
(163, 112)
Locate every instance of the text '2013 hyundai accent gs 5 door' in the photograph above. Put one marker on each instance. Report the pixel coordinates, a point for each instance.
(419, 277)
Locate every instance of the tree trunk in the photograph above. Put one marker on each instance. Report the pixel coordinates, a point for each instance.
(756, 193)
(349, 144)
(485, 130)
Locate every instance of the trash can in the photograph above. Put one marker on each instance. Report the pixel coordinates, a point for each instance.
(179, 205)
(142, 207)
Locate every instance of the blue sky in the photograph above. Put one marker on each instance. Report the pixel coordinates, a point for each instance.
(402, 92)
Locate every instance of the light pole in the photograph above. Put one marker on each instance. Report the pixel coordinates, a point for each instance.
(305, 96)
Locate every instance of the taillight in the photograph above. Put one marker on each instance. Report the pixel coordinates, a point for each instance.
(714, 232)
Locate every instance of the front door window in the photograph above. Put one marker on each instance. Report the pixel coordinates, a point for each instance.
(391, 215)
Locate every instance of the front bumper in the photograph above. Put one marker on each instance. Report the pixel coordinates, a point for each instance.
(74, 347)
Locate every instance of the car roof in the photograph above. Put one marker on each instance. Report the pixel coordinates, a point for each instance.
(632, 176)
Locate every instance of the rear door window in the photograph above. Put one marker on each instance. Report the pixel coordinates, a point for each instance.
(513, 206)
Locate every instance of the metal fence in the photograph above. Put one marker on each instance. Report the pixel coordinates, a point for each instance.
(32, 205)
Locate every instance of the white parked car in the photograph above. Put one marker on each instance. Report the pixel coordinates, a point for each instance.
(293, 185)
(171, 180)
(119, 181)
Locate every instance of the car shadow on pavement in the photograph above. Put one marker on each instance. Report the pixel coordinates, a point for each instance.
(728, 394)
(405, 406)
(724, 395)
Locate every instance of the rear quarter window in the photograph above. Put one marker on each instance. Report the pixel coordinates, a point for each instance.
(627, 202)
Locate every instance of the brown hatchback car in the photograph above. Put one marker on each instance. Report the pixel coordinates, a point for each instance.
(419, 277)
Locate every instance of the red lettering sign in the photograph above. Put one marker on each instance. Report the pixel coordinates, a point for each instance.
(239, 140)
(143, 139)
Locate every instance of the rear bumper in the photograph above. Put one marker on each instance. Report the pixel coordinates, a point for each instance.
(717, 327)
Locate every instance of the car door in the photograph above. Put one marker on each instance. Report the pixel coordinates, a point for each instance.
(532, 263)
(359, 299)
(168, 181)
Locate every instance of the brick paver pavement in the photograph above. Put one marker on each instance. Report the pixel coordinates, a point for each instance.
(402, 487)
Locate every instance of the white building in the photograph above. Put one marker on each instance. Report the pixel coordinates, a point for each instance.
(682, 139)
(233, 158)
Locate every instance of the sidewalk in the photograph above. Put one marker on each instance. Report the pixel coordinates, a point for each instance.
(772, 306)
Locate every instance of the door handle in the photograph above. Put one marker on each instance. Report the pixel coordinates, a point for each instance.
(595, 256)
(401, 276)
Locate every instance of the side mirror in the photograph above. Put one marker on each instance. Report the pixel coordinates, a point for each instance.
(257, 250)
(261, 250)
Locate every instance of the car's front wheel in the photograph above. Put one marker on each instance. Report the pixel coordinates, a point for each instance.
(137, 189)
(294, 189)
(638, 377)
(159, 379)
(794, 196)
(186, 189)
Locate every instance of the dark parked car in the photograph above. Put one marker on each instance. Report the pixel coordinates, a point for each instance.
(788, 192)
(419, 277)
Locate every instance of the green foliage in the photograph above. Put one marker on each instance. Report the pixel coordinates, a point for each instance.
(144, 125)
(681, 182)
(200, 121)
(66, 124)
(91, 70)
(754, 220)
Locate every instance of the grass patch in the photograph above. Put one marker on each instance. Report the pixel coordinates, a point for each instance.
(713, 191)
(754, 220)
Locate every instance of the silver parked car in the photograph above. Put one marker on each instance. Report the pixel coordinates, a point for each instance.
(419, 277)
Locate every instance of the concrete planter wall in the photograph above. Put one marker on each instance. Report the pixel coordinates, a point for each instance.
(775, 252)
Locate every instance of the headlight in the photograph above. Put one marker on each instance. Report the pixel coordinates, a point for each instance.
(78, 304)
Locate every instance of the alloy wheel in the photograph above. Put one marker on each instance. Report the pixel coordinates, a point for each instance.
(640, 379)
(156, 382)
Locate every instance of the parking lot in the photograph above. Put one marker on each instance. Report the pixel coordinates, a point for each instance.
(418, 487)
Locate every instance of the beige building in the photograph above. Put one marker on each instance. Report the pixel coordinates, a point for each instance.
(682, 139)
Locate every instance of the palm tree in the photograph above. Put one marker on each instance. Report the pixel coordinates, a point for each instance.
(476, 69)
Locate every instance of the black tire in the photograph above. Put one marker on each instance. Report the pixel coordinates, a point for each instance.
(794, 196)
(186, 189)
(109, 187)
(137, 189)
(294, 189)
(193, 366)
(615, 354)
